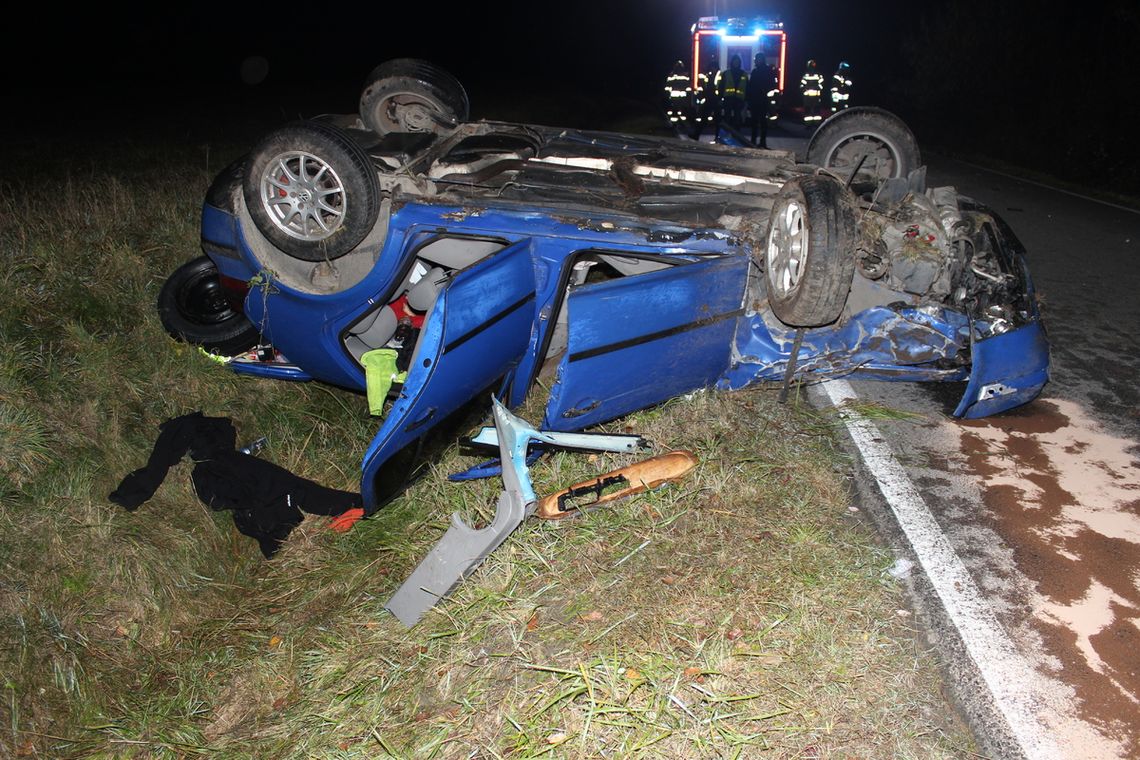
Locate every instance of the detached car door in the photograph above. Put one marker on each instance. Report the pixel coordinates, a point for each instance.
(475, 334)
(638, 340)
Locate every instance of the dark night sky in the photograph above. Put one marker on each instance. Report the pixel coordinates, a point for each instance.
(318, 54)
(1018, 78)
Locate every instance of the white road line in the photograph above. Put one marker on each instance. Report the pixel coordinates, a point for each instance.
(1010, 679)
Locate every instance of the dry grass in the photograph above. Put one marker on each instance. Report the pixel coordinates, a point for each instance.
(744, 612)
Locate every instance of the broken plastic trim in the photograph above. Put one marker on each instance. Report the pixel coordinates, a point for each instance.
(641, 476)
(462, 547)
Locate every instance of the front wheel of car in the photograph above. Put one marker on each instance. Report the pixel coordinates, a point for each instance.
(870, 140)
(194, 306)
(411, 95)
(808, 257)
(312, 191)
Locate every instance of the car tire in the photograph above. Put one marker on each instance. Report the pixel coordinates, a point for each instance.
(808, 258)
(843, 140)
(312, 191)
(411, 95)
(194, 307)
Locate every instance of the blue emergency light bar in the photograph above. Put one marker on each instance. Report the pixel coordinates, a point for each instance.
(743, 28)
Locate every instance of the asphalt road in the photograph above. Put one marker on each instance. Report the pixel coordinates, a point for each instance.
(1040, 505)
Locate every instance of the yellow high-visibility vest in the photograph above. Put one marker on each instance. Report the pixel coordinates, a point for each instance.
(731, 89)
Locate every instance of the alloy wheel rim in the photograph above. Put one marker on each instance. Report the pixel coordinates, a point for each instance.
(787, 248)
(304, 196)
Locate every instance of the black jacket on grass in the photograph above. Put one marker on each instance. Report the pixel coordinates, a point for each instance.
(267, 501)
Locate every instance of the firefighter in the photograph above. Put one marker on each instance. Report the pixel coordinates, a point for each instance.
(756, 93)
(773, 94)
(811, 85)
(707, 101)
(678, 95)
(841, 86)
(731, 87)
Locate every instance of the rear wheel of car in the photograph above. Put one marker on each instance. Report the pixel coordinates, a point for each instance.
(411, 95)
(808, 256)
(193, 306)
(312, 190)
(876, 141)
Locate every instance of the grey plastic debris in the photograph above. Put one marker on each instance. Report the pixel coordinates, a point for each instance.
(462, 547)
(458, 553)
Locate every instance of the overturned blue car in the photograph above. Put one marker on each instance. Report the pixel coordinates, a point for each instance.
(431, 261)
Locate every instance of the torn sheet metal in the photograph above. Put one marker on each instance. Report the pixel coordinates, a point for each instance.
(1006, 371)
(915, 342)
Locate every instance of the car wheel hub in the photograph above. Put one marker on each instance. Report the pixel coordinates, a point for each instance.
(411, 114)
(303, 196)
(876, 156)
(202, 301)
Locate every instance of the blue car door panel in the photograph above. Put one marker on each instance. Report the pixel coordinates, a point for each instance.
(639, 340)
(475, 334)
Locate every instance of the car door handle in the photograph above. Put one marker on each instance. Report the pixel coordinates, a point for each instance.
(572, 413)
(422, 420)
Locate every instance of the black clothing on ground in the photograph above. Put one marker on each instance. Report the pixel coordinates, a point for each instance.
(267, 501)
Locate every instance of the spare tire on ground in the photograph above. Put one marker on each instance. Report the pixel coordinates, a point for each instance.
(195, 307)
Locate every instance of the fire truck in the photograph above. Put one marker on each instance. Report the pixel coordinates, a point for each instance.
(719, 39)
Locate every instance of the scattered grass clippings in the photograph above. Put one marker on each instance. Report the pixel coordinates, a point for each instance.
(741, 612)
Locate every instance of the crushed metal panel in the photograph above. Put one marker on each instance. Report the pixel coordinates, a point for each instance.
(927, 339)
(1008, 370)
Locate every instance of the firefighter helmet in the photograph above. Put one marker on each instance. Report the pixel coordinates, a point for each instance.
(811, 63)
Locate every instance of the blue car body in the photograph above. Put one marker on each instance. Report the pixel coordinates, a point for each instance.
(680, 302)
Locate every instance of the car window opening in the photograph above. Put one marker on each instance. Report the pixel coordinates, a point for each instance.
(397, 323)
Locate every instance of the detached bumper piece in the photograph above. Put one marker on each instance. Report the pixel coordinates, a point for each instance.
(1007, 371)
